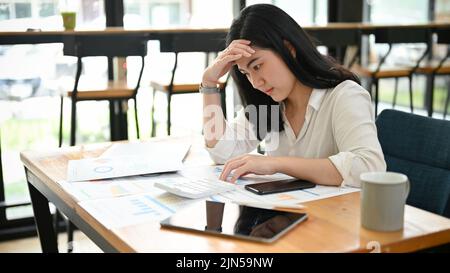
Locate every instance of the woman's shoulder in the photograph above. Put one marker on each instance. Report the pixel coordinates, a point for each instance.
(348, 89)
(349, 86)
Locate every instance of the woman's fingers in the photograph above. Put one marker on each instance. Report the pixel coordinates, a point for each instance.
(241, 171)
(240, 41)
(233, 51)
(238, 46)
(229, 58)
(248, 48)
(222, 64)
(245, 50)
(230, 166)
(220, 67)
(226, 168)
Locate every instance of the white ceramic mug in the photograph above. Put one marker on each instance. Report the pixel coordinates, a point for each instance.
(383, 198)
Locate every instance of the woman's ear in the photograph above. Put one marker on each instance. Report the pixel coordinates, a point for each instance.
(291, 48)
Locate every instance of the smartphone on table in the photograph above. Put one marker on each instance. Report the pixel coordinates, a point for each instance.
(292, 184)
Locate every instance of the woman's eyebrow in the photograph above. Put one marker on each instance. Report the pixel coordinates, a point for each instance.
(249, 63)
(252, 61)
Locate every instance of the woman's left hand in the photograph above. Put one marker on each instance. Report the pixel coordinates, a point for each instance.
(246, 164)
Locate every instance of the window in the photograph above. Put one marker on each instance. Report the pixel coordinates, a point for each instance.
(400, 11)
(306, 12)
(23, 10)
(4, 11)
(164, 14)
(171, 13)
(47, 9)
(155, 13)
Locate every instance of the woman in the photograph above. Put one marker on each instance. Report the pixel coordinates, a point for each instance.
(315, 118)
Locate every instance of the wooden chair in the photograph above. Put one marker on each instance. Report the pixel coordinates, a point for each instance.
(110, 46)
(438, 68)
(376, 72)
(179, 43)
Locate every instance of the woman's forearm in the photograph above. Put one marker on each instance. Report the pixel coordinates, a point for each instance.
(319, 171)
(213, 119)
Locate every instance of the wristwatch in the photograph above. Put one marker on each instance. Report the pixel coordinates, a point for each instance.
(208, 90)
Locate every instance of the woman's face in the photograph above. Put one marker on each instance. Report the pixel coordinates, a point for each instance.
(268, 73)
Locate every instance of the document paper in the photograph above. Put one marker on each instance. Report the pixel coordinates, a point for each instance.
(129, 159)
(153, 204)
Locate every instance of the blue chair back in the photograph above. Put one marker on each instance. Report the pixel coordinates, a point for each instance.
(419, 147)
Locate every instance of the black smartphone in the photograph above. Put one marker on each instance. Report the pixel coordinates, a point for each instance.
(292, 184)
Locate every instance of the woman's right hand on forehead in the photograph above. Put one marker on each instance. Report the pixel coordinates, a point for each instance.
(225, 60)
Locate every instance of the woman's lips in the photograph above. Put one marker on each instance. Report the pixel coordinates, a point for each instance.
(269, 91)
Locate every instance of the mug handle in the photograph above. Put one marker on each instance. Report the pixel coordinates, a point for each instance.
(407, 189)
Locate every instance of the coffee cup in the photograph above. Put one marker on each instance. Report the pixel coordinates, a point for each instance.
(69, 19)
(383, 198)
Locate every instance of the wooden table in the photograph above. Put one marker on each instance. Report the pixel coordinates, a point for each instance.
(56, 36)
(333, 224)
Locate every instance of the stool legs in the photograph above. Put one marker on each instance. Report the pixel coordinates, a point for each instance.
(169, 99)
(376, 83)
(411, 106)
(430, 95)
(447, 100)
(70, 230)
(153, 134)
(60, 137)
(69, 225)
(394, 101)
(56, 218)
(136, 117)
(73, 123)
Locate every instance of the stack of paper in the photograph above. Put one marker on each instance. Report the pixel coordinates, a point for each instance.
(129, 159)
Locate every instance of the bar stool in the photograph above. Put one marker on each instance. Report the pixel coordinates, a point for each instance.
(185, 42)
(438, 68)
(376, 72)
(108, 46)
(82, 46)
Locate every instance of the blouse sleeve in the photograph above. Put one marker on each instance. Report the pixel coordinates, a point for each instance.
(239, 138)
(355, 134)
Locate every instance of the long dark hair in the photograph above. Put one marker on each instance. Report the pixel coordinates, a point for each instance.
(269, 27)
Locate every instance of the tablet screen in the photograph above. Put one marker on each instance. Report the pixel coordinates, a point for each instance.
(228, 219)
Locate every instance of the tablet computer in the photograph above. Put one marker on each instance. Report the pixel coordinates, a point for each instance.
(233, 220)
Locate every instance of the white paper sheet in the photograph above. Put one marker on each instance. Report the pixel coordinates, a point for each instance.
(286, 198)
(175, 149)
(134, 209)
(133, 158)
(111, 167)
(108, 188)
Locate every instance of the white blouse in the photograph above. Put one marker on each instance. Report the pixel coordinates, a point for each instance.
(339, 125)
